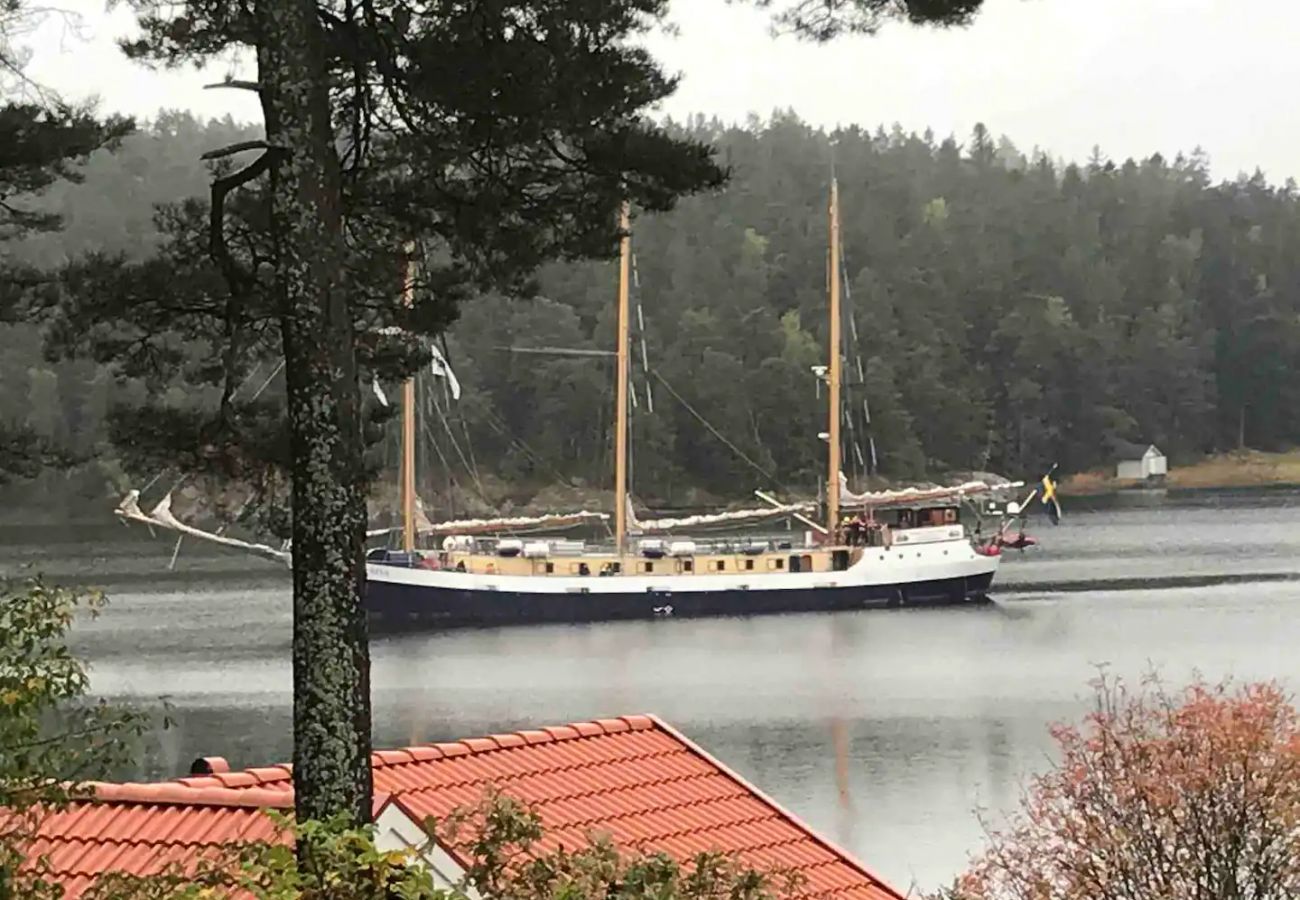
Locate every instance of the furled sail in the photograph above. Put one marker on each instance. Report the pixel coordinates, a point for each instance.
(734, 517)
(507, 524)
(926, 494)
(161, 517)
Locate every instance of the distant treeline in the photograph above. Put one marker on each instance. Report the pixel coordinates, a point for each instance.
(1008, 311)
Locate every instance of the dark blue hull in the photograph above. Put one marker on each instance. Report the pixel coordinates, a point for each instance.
(402, 607)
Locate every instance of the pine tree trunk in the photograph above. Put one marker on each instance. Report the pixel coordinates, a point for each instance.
(331, 657)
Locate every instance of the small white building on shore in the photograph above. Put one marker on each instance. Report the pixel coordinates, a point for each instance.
(1140, 462)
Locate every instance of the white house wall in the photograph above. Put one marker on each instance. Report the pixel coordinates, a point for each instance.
(1130, 469)
(395, 830)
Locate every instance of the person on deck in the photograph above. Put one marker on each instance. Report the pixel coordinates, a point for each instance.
(853, 531)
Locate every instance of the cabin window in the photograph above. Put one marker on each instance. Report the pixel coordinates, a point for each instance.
(649, 567)
(749, 565)
(720, 565)
(688, 565)
(550, 568)
(776, 564)
(617, 568)
(807, 563)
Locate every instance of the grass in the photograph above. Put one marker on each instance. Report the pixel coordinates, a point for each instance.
(1240, 468)
(1244, 468)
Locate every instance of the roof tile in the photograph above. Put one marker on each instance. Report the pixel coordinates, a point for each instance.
(640, 723)
(236, 779)
(391, 757)
(479, 745)
(271, 773)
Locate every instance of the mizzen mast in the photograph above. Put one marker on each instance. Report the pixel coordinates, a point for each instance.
(833, 373)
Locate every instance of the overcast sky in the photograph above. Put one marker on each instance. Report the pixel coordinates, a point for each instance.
(1133, 76)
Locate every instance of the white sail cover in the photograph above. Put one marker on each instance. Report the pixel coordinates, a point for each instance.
(161, 517)
(734, 517)
(489, 526)
(927, 494)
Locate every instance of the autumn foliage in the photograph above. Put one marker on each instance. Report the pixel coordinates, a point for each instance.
(1158, 795)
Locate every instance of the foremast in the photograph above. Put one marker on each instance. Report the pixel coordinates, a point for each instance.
(408, 420)
(620, 418)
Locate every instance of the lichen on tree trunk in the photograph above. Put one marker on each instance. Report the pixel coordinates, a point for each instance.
(331, 661)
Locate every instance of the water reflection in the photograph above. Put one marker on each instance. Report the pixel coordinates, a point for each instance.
(882, 729)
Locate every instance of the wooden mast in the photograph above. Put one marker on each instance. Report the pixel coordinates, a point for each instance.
(408, 421)
(833, 374)
(620, 426)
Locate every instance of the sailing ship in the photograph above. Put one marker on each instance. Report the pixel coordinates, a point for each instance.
(890, 548)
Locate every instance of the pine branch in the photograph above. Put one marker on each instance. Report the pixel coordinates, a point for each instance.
(240, 147)
(220, 188)
(235, 84)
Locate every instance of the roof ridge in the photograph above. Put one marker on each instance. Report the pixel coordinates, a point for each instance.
(490, 743)
(588, 765)
(174, 793)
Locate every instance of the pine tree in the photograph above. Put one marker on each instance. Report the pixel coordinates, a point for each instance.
(494, 137)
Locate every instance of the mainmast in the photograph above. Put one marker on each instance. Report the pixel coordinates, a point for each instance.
(833, 374)
(620, 426)
(408, 421)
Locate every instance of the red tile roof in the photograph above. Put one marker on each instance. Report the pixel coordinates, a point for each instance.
(633, 778)
(141, 829)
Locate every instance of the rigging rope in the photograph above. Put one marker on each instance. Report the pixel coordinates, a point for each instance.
(873, 466)
(472, 470)
(707, 424)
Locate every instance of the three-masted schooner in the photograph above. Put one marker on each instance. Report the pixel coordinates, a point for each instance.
(899, 548)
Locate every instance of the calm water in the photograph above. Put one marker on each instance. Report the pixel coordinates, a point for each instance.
(941, 711)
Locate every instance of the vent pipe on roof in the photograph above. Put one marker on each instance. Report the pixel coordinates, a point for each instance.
(209, 765)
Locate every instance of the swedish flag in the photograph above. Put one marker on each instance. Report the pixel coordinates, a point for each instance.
(1049, 499)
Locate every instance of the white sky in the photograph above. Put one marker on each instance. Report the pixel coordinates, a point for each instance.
(1133, 76)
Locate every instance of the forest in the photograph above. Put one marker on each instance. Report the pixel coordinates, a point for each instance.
(1004, 311)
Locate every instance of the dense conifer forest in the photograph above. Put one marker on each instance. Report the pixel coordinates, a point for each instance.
(1004, 310)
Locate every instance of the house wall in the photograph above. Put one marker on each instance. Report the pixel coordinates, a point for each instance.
(394, 830)
(1130, 469)
(1149, 466)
